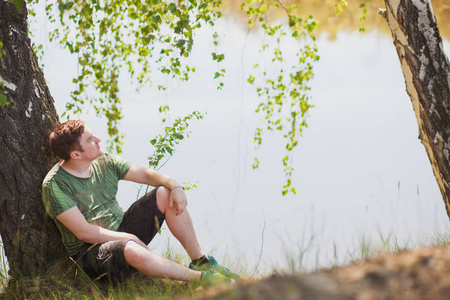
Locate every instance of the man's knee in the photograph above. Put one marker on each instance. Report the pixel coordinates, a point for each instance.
(133, 252)
(163, 198)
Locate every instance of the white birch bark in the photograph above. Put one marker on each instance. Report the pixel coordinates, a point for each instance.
(426, 70)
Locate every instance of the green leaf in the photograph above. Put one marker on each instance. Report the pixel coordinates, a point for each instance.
(156, 19)
(291, 22)
(3, 100)
(19, 4)
(69, 5)
(178, 136)
(180, 43)
(61, 7)
(172, 7)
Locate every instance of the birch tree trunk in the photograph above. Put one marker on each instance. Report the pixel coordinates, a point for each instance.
(426, 70)
(30, 238)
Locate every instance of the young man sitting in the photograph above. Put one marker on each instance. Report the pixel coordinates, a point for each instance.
(79, 193)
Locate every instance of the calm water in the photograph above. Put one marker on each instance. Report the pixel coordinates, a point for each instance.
(360, 169)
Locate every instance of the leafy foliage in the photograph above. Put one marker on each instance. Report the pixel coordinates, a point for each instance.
(363, 14)
(339, 7)
(165, 143)
(109, 37)
(113, 36)
(285, 91)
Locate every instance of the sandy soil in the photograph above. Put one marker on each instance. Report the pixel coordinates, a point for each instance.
(422, 274)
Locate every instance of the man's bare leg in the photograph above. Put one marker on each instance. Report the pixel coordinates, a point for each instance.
(180, 226)
(154, 265)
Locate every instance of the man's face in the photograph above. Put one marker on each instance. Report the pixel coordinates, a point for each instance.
(90, 145)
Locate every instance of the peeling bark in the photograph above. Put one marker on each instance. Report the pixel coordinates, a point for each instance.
(30, 238)
(426, 70)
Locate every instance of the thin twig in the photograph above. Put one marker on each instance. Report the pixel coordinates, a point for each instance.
(262, 247)
(284, 7)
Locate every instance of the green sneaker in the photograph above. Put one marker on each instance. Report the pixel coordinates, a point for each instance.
(214, 265)
(211, 277)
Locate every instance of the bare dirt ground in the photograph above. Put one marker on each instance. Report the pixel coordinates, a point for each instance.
(422, 274)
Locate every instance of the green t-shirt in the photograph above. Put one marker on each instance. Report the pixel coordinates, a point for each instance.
(95, 196)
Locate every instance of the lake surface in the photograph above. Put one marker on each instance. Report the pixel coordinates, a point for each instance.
(360, 171)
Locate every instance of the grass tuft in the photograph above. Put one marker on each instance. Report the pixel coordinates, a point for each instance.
(67, 281)
(76, 285)
(3, 268)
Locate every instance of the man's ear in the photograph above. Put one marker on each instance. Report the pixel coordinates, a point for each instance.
(75, 155)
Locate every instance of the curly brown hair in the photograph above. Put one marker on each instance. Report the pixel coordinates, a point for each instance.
(64, 138)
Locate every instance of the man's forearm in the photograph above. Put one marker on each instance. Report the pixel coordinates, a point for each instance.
(74, 220)
(95, 235)
(166, 181)
(155, 178)
(148, 176)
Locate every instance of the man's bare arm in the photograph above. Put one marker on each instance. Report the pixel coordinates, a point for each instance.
(74, 220)
(148, 176)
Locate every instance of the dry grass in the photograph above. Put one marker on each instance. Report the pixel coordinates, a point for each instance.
(66, 281)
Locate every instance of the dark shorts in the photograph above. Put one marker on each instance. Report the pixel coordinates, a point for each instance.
(107, 260)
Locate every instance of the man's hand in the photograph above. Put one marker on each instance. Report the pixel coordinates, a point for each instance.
(178, 198)
(153, 178)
